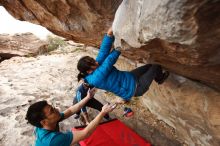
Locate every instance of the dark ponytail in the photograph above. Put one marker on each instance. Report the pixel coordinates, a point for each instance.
(80, 76)
(85, 63)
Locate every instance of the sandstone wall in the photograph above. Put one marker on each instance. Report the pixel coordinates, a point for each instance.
(181, 35)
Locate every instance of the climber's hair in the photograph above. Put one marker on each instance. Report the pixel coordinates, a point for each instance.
(85, 63)
(35, 113)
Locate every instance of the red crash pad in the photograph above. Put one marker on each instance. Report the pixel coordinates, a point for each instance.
(113, 133)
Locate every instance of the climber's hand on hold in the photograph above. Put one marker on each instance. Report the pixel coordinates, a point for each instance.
(110, 32)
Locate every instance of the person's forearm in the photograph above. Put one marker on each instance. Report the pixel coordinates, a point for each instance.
(90, 128)
(93, 124)
(82, 134)
(75, 108)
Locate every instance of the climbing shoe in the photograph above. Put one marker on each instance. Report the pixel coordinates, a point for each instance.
(128, 112)
(164, 77)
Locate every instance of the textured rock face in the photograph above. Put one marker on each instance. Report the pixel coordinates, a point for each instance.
(181, 35)
(78, 20)
(21, 45)
(191, 108)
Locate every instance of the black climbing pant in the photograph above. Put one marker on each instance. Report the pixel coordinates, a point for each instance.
(144, 77)
(95, 104)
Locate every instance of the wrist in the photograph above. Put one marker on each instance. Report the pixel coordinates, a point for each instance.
(88, 97)
(110, 32)
(102, 113)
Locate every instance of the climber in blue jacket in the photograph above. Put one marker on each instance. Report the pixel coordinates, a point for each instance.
(101, 73)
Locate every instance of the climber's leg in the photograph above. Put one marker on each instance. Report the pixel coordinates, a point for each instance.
(144, 81)
(138, 72)
(95, 104)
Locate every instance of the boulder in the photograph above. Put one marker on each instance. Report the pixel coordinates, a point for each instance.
(25, 44)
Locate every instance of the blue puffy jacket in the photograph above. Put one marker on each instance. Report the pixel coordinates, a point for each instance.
(109, 78)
